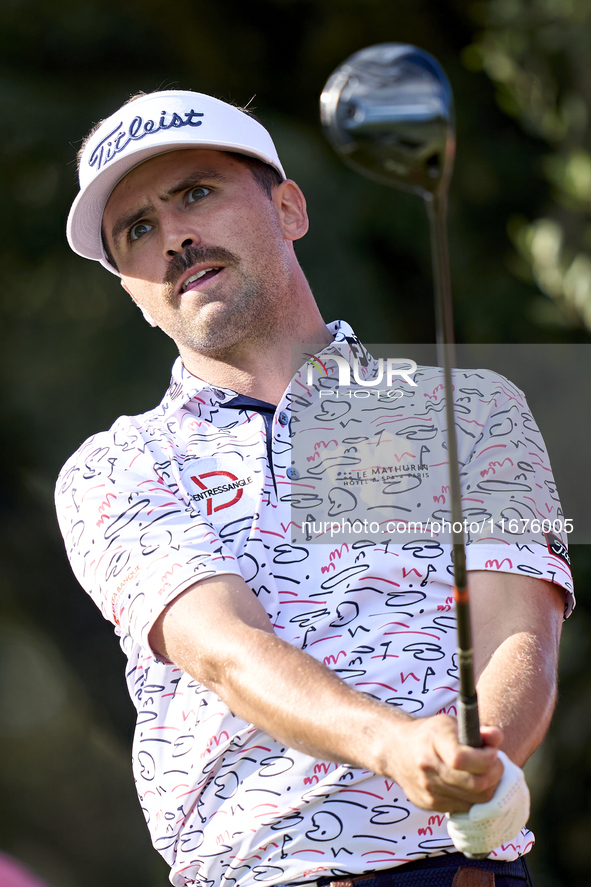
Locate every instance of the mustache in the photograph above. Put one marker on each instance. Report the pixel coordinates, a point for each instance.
(194, 255)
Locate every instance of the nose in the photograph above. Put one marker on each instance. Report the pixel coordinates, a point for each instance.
(177, 238)
(173, 252)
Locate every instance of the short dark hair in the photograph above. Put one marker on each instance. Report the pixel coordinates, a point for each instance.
(266, 176)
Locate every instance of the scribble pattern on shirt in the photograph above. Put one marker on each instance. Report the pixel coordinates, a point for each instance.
(186, 492)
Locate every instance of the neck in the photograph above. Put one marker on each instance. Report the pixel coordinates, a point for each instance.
(262, 368)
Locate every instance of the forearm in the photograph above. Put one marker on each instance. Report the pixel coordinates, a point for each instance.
(517, 623)
(301, 702)
(517, 692)
(290, 695)
(219, 634)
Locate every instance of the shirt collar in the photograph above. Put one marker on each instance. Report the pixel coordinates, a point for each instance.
(346, 343)
(184, 386)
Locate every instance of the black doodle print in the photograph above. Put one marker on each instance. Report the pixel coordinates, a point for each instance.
(186, 492)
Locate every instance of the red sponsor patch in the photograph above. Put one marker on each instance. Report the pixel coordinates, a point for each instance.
(222, 488)
(226, 487)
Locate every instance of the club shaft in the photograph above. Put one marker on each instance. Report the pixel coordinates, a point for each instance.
(468, 720)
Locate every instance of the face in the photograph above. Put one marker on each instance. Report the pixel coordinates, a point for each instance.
(203, 250)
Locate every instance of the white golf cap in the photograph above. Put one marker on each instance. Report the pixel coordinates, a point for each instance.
(154, 124)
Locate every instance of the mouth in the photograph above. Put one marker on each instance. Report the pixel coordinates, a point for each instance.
(198, 278)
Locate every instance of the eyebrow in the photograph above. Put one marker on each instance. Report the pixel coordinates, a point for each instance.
(125, 222)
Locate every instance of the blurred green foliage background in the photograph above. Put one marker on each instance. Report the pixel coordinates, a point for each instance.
(75, 353)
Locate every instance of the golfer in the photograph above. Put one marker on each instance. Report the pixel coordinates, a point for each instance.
(295, 699)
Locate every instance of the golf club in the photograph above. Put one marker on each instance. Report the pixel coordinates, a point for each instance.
(388, 112)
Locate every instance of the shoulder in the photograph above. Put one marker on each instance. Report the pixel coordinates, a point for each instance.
(117, 459)
(474, 379)
(124, 435)
(482, 398)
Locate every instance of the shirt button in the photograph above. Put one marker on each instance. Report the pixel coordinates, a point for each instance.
(292, 473)
(283, 418)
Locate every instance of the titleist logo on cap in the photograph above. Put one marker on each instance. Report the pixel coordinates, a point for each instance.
(119, 138)
(144, 127)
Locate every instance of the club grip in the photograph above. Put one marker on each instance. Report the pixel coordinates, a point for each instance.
(469, 722)
(469, 734)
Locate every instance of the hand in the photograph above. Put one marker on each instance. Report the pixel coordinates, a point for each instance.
(437, 773)
(489, 825)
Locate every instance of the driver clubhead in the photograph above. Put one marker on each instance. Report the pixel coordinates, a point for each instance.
(388, 112)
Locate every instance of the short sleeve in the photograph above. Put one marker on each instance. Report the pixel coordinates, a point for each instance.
(508, 479)
(133, 544)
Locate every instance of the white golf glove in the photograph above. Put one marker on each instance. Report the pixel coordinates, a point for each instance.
(486, 826)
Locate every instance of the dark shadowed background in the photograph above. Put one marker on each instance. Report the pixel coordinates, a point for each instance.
(75, 353)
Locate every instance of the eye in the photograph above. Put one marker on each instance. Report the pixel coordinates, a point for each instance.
(197, 193)
(138, 230)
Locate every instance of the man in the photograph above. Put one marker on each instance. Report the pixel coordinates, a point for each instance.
(276, 681)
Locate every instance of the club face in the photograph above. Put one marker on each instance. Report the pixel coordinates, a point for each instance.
(388, 112)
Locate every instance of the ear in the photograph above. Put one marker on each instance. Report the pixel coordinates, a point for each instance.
(147, 317)
(291, 207)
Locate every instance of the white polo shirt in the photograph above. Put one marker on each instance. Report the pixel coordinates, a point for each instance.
(199, 487)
